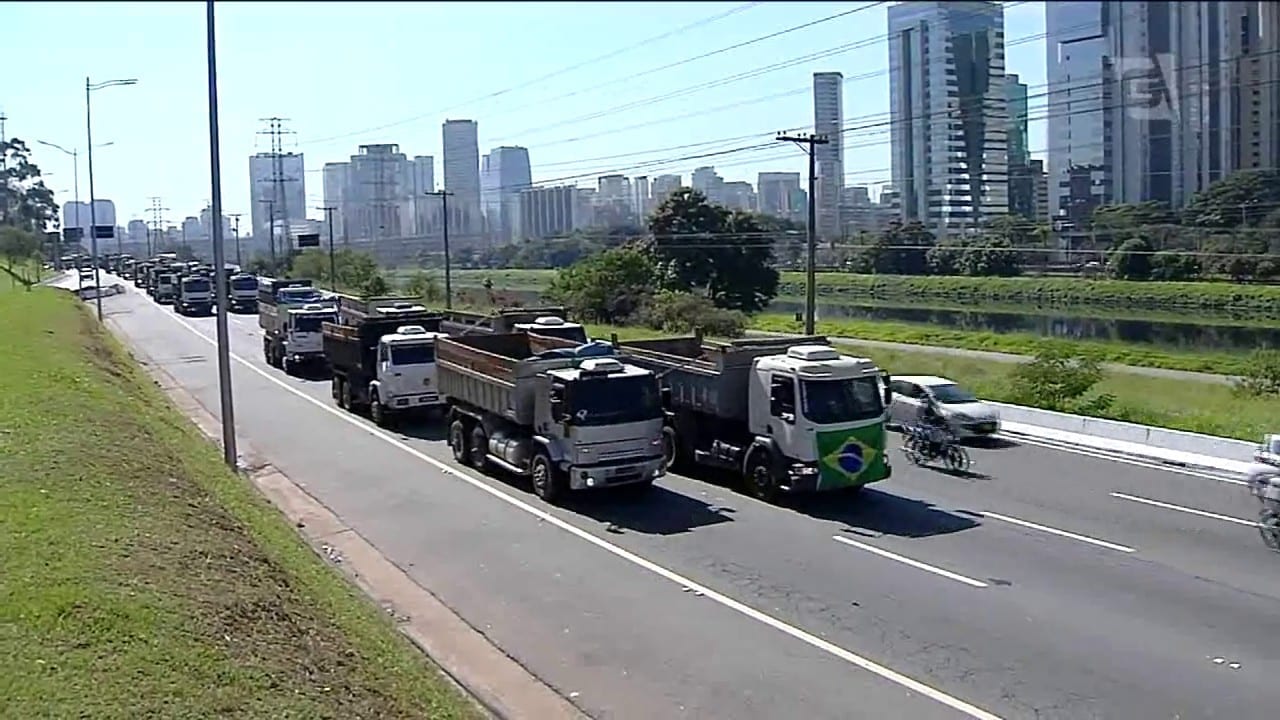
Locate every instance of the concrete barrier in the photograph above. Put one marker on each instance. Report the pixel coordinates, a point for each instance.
(1175, 441)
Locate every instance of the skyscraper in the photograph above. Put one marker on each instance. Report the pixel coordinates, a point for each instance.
(282, 199)
(828, 120)
(662, 187)
(462, 175)
(948, 113)
(504, 172)
(776, 191)
(1079, 172)
(1015, 94)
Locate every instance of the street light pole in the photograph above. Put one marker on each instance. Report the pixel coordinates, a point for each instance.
(448, 267)
(219, 255)
(89, 87)
(235, 228)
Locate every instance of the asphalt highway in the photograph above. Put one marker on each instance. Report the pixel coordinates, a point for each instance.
(1049, 584)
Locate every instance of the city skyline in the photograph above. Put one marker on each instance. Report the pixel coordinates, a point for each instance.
(561, 143)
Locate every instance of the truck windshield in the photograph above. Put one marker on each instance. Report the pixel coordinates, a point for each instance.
(311, 323)
(610, 401)
(827, 402)
(197, 285)
(576, 334)
(244, 284)
(298, 295)
(166, 280)
(416, 354)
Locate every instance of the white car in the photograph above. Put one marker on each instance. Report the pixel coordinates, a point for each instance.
(966, 415)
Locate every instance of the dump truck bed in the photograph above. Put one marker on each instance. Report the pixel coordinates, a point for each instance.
(356, 346)
(705, 376)
(495, 372)
(462, 322)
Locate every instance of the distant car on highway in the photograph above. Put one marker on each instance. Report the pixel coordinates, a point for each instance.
(966, 415)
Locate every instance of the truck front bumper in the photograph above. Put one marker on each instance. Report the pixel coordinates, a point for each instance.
(423, 401)
(628, 472)
(802, 477)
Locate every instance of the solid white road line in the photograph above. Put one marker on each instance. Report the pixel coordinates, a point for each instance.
(814, 641)
(1179, 508)
(1059, 533)
(908, 561)
(1120, 458)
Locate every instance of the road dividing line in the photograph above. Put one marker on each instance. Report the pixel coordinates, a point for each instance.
(1059, 533)
(702, 591)
(1187, 510)
(908, 561)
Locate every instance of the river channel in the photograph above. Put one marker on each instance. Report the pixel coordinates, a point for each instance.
(1169, 331)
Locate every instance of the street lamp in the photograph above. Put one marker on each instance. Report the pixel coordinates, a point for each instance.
(89, 87)
(75, 183)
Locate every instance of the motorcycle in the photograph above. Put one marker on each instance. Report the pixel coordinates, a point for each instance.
(1264, 484)
(923, 445)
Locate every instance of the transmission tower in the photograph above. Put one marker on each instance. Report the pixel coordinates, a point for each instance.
(279, 202)
(157, 222)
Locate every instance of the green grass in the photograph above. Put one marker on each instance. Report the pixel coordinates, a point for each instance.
(1221, 363)
(143, 579)
(1209, 408)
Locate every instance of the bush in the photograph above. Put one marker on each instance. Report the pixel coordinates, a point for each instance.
(1058, 379)
(1262, 375)
(682, 312)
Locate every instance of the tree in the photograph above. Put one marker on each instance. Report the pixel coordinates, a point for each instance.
(727, 255)
(1128, 216)
(610, 287)
(1132, 260)
(1244, 198)
(422, 285)
(25, 201)
(355, 270)
(901, 250)
(1174, 266)
(17, 246)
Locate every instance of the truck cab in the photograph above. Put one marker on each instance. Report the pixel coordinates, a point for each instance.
(817, 411)
(552, 326)
(194, 295)
(242, 293)
(602, 422)
(166, 286)
(405, 376)
(302, 332)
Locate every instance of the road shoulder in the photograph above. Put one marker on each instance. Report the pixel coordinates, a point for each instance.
(500, 683)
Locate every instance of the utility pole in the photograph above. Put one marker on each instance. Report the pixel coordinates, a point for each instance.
(448, 267)
(808, 143)
(221, 287)
(271, 230)
(235, 228)
(333, 266)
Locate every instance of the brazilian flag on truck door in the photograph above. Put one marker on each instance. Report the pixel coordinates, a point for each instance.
(851, 457)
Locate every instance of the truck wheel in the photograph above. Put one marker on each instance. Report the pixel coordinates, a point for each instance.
(345, 401)
(759, 479)
(670, 449)
(335, 389)
(547, 481)
(286, 366)
(458, 442)
(266, 352)
(479, 448)
(377, 412)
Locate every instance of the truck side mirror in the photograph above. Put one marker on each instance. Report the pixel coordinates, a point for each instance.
(888, 389)
(556, 400)
(665, 394)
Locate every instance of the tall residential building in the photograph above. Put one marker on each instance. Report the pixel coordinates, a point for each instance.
(278, 190)
(548, 212)
(137, 232)
(708, 182)
(375, 194)
(738, 195)
(828, 120)
(1078, 167)
(336, 180)
(775, 192)
(504, 172)
(663, 186)
(462, 175)
(1250, 84)
(948, 113)
(641, 201)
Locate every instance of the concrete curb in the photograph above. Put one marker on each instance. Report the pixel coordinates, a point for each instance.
(499, 683)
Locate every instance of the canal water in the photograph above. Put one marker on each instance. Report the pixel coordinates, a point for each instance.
(1165, 332)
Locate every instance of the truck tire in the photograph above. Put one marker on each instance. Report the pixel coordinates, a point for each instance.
(670, 450)
(266, 351)
(758, 478)
(479, 448)
(458, 436)
(286, 366)
(548, 481)
(377, 412)
(347, 402)
(335, 389)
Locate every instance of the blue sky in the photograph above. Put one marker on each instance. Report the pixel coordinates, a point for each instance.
(340, 70)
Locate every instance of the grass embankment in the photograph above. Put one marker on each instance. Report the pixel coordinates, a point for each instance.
(1209, 408)
(143, 579)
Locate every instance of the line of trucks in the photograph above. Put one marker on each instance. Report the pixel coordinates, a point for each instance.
(189, 286)
(525, 391)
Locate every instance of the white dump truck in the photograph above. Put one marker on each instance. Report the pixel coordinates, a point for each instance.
(551, 321)
(788, 414)
(291, 313)
(382, 353)
(567, 416)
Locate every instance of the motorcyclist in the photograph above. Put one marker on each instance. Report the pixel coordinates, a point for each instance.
(933, 426)
(1266, 462)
